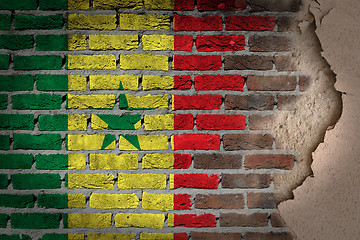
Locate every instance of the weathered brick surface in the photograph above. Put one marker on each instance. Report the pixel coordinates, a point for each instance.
(285, 63)
(249, 102)
(245, 181)
(271, 83)
(217, 161)
(262, 200)
(243, 220)
(247, 142)
(215, 236)
(269, 161)
(219, 201)
(250, 62)
(269, 43)
(274, 5)
(268, 236)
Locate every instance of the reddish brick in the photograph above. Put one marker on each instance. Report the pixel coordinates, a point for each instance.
(181, 236)
(220, 122)
(268, 236)
(276, 220)
(190, 23)
(184, 5)
(196, 180)
(250, 23)
(262, 200)
(268, 161)
(285, 63)
(247, 141)
(213, 43)
(217, 161)
(269, 43)
(245, 181)
(243, 220)
(182, 202)
(182, 82)
(249, 102)
(228, 5)
(248, 62)
(196, 142)
(198, 102)
(182, 161)
(260, 122)
(193, 220)
(287, 102)
(274, 5)
(219, 201)
(183, 43)
(304, 83)
(197, 62)
(287, 24)
(215, 236)
(183, 121)
(219, 82)
(271, 83)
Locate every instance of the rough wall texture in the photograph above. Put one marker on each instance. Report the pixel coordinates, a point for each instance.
(157, 119)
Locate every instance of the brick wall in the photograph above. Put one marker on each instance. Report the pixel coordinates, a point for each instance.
(144, 119)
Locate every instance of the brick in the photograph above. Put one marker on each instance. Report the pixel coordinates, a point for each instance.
(91, 22)
(196, 102)
(196, 180)
(166, 161)
(90, 181)
(115, 122)
(79, 4)
(17, 201)
(164, 236)
(243, 220)
(246, 181)
(22, 22)
(269, 161)
(53, 4)
(4, 142)
(288, 102)
(36, 181)
(233, 142)
(145, 102)
(77, 42)
(268, 236)
(183, 43)
(52, 43)
(18, 5)
(4, 61)
(220, 122)
(144, 22)
(141, 181)
(167, 42)
(113, 161)
(38, 142)
(169, 122)
(58, 236)
(191, 220)
(183, 121)
(60, 161)
(61, 82)
(217, 161)
(35, 221)
(16, 42)
(114, 201)
(195, 142)
(217, 43)
(3, 101)
(304, 83)
(76, 201)
(269, 43)
(4, 182)
(15, 237)
(250, 23)
(3, 220)
(100, 62)
(143, 142)
(262, 200)
(228, 5)
(219, 201)
(260, 122)
(159, 4)
(90, 142)
(113, 42)
(16, 161)
(285, 63)
(153, 82)
(53, 122)
(45, 62)
(88, 220)
(215, 236)
(219, 82)
(277, 221)
(161, 202)
(59, 201)
(5, 21)
(16, 121)
(106, 236)
(197, 62)
(118, 4)
(248, 62)
(144, 220)
(258, 102)
(190, 23)
(287, 24)
(99, 101)
(274, 5)
(144, 62)
(184, 5)
(114, 82)
(182, 161)
(12, 83)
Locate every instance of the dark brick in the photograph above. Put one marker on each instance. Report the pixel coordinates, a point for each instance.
(219, 201)
(3, 101)
(268, 236)
(215, 236)
(16, 161)
(53, 4)
(249, 102)
(16, 42)
(4, 142)
(304, 83)
(35, 221)
(276, 220)
(262, 200)
(3, 220)
(269, 161)
(285, 63)
(245, 180)
(287, 24)
(274, 5)
(4, 61)
(22, 22)
(18, 5)
(217, 161)
(247, 141)
(248, 62)
(11, 83)
(17, 201)
(260, 122)
(271, 83)
(5, 21)
(269, 43)
(287, 102)
(36, 181)
(243, 220)
(4, 181)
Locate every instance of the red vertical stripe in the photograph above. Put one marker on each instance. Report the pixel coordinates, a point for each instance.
(219, 82)
(196, 180)
(183, 43)
(196, 142)
(197, 102)
(220, 122)
(181, 236)
(192, 220)
(182, 161)
(182, 82)
(183, 121)
(182, 202)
